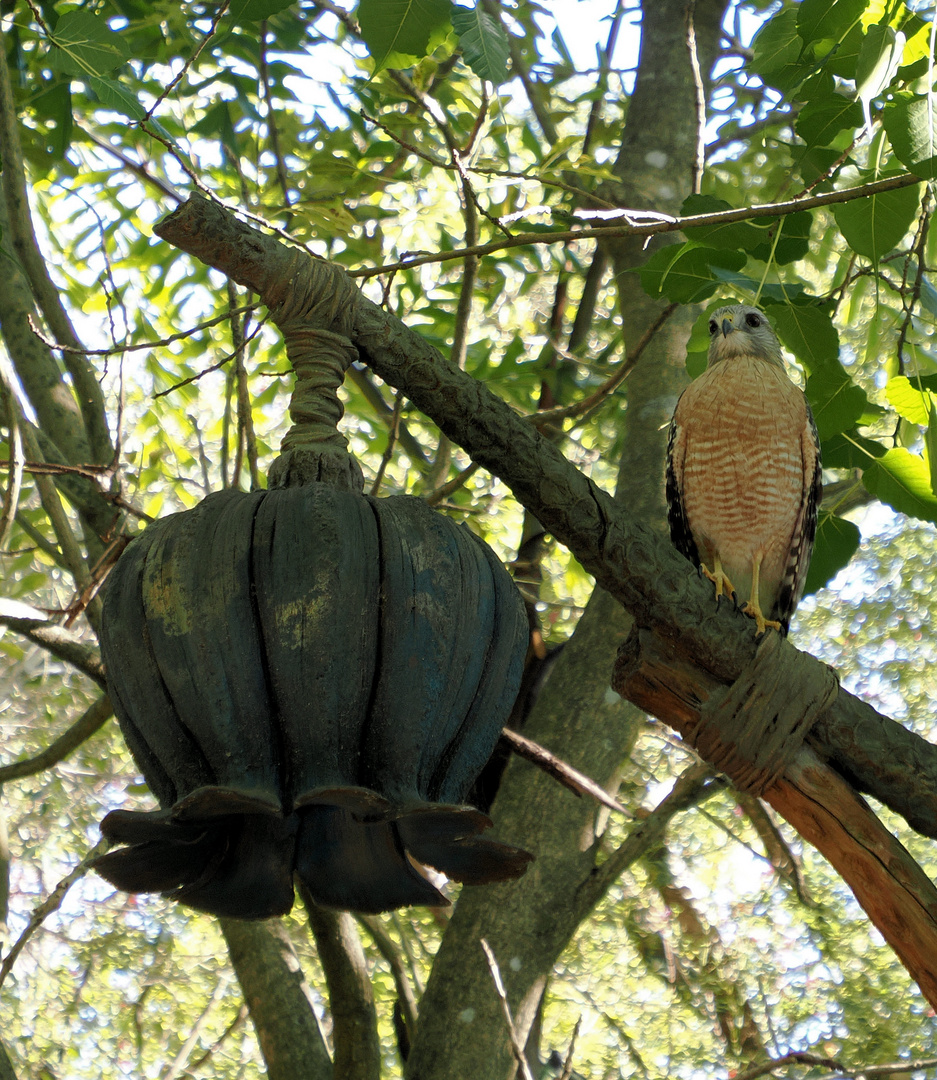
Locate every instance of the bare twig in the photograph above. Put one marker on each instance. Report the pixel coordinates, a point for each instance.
(391, 441)
(516, 1046)
(636, 223)
(90, 721)
(571, 779)
(568, 1063)
(51, 903)
(177, 1064)
(184, 70)
(387, 947)
(437, 495)
(611, 383)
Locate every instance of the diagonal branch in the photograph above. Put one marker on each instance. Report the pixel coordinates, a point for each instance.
(651, 580)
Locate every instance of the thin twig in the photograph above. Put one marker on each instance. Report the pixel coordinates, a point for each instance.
(184, 70)
(391, 442)
(92, 719)
(436, 496)
(516, 1046)
(178, 1062)
(51, 903)
(571, 779)
(663, 223)
(611, 383)
(568, 1063)
(388, 949)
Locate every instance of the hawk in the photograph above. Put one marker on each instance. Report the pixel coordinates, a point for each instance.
(743, 471)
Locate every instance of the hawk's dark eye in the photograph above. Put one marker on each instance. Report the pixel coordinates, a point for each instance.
(712, 326)
(752, 320)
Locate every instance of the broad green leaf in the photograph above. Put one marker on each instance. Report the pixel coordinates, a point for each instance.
(738, 234)
(242, 11)
(808, 332)
(684, 272)
(793, 243)
(875, 225)
(879, 60)
(484, 43)
(908, 401)
(836, 543)
(823, 118)
(828, 20)
(836, 401)
(404, 28)
(84, 45)
(776, 50)
(117, 97)
(911, 124)
(776, 294)
(902, 480)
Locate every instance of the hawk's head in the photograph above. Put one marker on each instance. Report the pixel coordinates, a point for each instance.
(740, 330)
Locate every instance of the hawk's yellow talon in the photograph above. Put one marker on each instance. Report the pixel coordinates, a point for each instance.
(753, 611)
(720, 579)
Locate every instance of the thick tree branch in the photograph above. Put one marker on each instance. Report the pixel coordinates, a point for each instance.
(651, 580)
(87, 389)
(279, 1000)
(351, 996)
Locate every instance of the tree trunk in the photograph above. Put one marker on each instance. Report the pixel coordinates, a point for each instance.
(462, 1031)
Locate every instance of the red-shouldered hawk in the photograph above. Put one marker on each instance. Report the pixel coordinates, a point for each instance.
(743, 470)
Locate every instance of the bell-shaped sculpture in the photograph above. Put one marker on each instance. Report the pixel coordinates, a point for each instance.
(310, 680)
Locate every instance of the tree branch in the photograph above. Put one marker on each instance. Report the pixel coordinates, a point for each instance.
(91, 720)
(279, 1000)
(351, 996)
(636, 223)
(651, 580)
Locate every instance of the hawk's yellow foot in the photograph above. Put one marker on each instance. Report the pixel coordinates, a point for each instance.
(753, 608)
(719, 578)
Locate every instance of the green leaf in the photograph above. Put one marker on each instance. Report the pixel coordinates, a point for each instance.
(878, 63)
(808, 332)
(823, 118)
(84, 45)
(484, 44)
(117, 97)
(908, 401)
(850, 450)
(877, 224)
(930, 447)
(911, 125)
(836, 401)
(828, 20)
(794, 242)
(776, 52)
(902, 480)
(242, 11)
(402, 28)
(836, 543)
(684, 272)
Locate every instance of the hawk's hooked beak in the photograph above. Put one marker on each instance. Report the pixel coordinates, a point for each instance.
(727, 327)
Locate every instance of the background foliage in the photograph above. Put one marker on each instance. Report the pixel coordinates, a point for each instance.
(391, 137)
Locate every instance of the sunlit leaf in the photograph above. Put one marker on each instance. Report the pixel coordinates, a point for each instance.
(255, 10)
(879, 60)
(902, 480)
(908, 401)
(875, 225)
(404, 28)
(911, 123)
